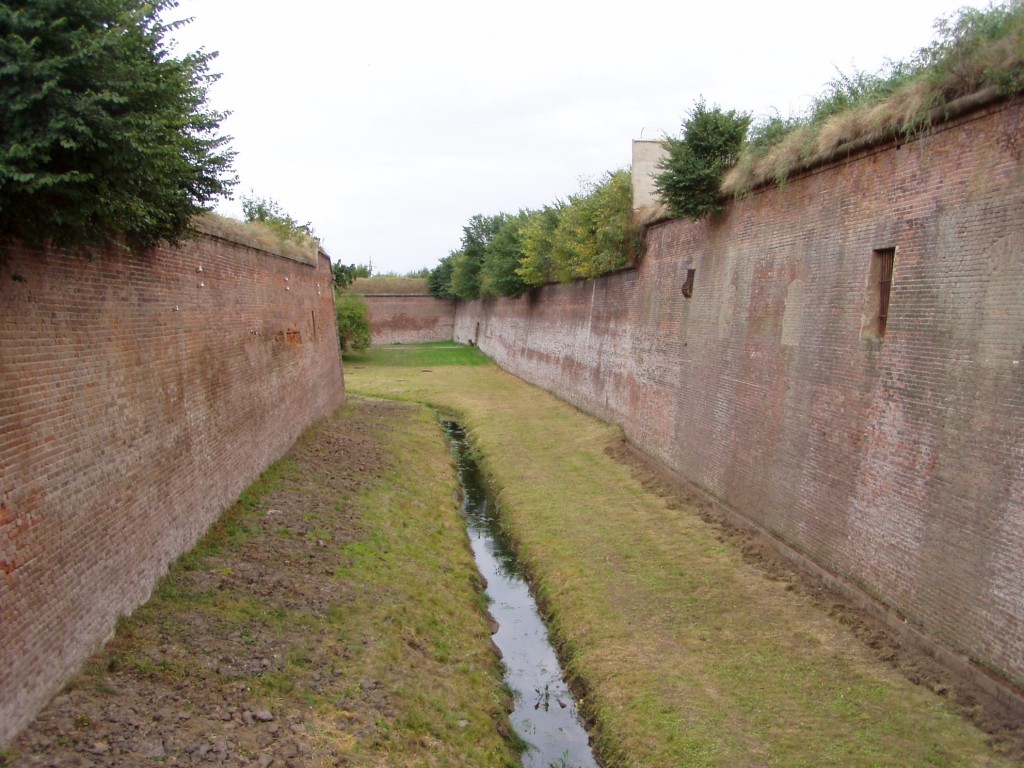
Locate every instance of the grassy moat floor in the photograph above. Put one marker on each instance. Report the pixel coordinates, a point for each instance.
(333, 617)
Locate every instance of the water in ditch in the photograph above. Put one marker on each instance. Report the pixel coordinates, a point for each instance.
(545, 714)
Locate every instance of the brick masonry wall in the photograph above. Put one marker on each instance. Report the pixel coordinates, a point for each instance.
(896, 463)
(410, 319)
(138, 397)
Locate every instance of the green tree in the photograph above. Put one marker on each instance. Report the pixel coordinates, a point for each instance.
(439, 281)
(476, 236)
(465, 280)
(502, 257)
(353, 317)
(592, 236)
(692, 171)
(103, 132)
(537, 239)
(345, 274)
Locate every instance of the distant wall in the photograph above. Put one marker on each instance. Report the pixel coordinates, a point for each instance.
(405, 319)
(895, 460)
(139, 395)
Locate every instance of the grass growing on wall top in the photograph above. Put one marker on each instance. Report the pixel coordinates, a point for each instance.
(258, 235)
(405, 286)
(687, 655)
(974, 52)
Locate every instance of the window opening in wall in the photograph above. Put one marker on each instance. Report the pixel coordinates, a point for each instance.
(885, 258)
(688, 285)
(877, 297)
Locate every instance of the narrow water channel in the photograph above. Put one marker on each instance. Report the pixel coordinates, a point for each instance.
(545, 714)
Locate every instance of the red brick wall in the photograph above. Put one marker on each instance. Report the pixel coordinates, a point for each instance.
(138, 396)
(897, 464)
(404, 319)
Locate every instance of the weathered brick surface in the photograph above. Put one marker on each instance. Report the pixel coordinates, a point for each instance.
(138, 397)
(410, 319)
(896, 464)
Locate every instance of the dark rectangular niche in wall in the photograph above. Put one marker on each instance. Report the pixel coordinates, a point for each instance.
(886, 258)
(688, 285)
(876, 300)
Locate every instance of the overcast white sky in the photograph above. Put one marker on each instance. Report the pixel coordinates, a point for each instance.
(389, 124)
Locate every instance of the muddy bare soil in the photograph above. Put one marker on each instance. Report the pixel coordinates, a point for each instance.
(176, 692)
(1004, 726)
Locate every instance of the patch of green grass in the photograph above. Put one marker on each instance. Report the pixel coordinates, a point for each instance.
(417, 356)
(690, 656)
(416, 620)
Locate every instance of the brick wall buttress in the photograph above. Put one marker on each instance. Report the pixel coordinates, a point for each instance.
(139, 395)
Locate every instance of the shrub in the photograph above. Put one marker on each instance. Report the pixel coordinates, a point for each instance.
(691, 173)
(353, 317)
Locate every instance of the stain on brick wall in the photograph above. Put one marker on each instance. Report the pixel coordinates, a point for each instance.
(410, 319)
(894, 458)
(139, 395)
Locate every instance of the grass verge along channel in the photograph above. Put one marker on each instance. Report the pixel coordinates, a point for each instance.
(686, 653)
(332, 617)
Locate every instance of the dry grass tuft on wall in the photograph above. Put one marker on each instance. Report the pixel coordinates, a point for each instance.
(258, 235)
(390, 286)
(977, 58)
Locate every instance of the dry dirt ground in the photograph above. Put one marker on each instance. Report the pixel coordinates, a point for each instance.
(117, 713)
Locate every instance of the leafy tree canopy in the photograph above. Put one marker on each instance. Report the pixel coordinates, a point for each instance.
(467, 263)
(502, 257)
(537, 238)
(505, 254)
(103, 132)
(593, 232)
(440, 278)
